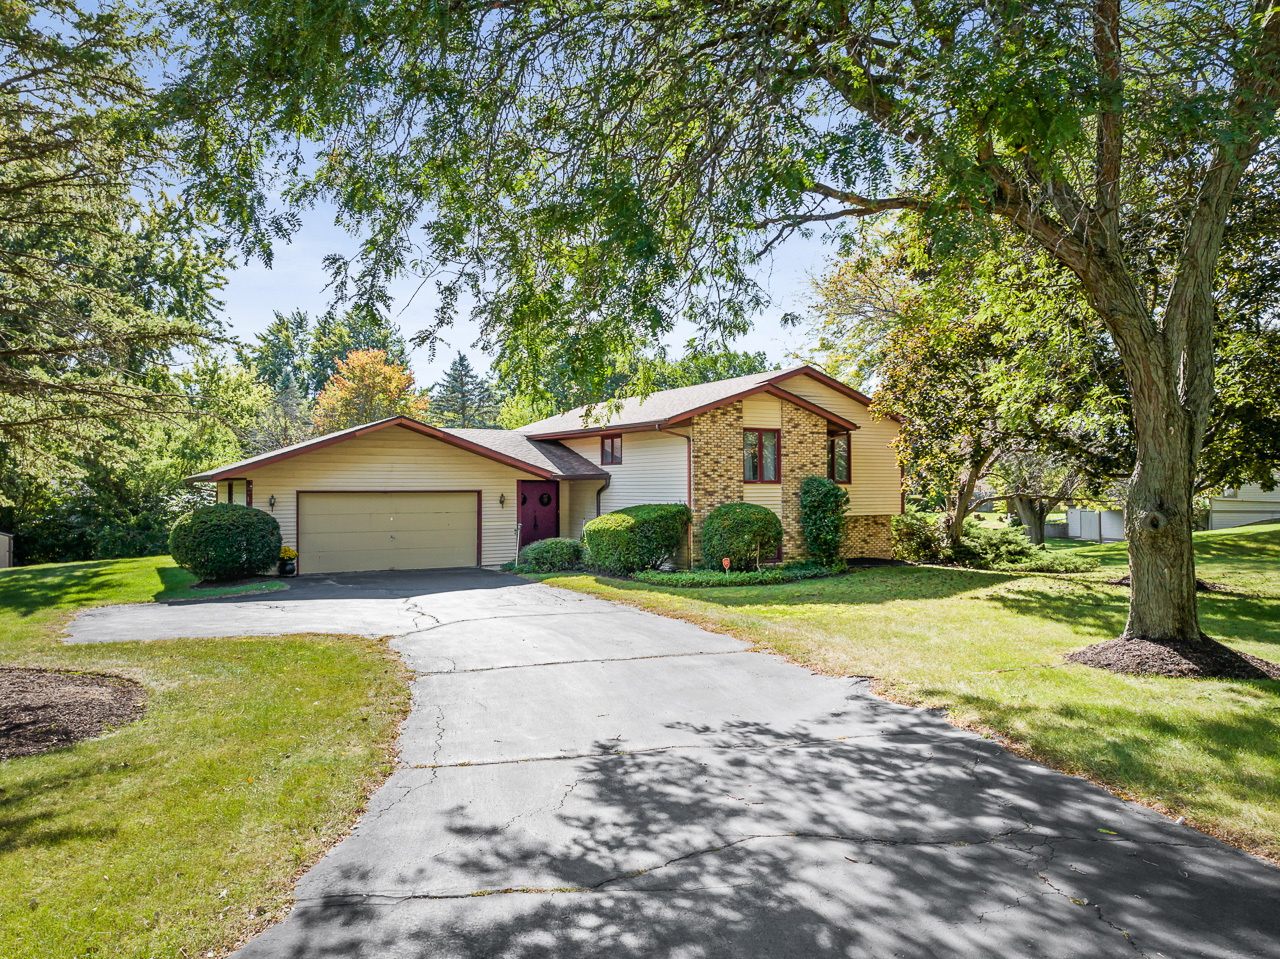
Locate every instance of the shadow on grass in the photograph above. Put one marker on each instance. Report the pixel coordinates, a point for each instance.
(174, 581)
(880, 584)
(1240, 733)
(29, 590)
(1093, 609)
(48, 826)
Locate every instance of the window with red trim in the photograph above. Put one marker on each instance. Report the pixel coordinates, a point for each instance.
(760, 456)
(838, 457)
(610, 450)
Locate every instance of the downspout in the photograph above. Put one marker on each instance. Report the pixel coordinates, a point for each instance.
(607, 480)
(688, 476)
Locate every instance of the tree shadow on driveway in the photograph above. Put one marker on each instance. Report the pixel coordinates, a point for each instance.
(928, 842)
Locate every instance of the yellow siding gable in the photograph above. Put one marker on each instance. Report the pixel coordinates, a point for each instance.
(400, 460)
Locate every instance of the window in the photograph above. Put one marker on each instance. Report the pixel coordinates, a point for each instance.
(838, 457)
(610, 450)
(760, 456)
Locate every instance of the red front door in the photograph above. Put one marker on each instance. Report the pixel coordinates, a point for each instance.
(539, 510)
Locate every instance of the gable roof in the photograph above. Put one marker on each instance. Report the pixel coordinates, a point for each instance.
(548, 460)
(668, 407)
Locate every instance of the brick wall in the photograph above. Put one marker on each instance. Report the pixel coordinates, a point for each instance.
(869, 537)
(717, 465)
(804, 454)
(717, 479)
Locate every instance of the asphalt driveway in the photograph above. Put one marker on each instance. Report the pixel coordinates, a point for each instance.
(581, 779)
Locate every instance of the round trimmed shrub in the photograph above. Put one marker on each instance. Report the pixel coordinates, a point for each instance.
(225, 541)
(744, 532)
(552, 555)
(823, 503)
(637, 537)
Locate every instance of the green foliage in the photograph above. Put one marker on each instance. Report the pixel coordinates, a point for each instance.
(102, 279)
(551, 555)
(294, 358)
(463, 399)
(225, 541)
(823, 503)
(637, 537)
(708, 578)
(746, 534)
(917, 537)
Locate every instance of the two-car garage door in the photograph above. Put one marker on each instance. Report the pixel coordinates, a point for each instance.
(345, 532)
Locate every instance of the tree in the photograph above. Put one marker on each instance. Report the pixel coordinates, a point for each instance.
(702, 365)
(1035, 485)
(364, 388)
(599, 170)
(280, 355)
(101, 278)
(337, 337)
(463, 399)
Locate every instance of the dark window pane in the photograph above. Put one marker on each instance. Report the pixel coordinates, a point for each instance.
(751, 456)
(769, 464)
(831, 459)
(842, 458)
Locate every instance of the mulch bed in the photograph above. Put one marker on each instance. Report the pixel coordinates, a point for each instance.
(1202, 585)
(230, 583)
(1205, 660)
(44, 709)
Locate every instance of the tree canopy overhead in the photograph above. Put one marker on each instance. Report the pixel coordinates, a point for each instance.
(593, 171)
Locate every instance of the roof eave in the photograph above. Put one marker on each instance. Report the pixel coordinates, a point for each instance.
(404, 422)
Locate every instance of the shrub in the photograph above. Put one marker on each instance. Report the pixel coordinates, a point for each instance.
(637, 537)
(917, 538)
(1047, 561)
(551, 555)
(704, 578)
(225, 541)
(823, 504)
(747, 534)
(984, 548)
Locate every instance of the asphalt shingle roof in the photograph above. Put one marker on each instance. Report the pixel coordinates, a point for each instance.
(658, 407)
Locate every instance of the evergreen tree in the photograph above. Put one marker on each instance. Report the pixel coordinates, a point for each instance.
(281, 356)
(463, 399)
(336, 337)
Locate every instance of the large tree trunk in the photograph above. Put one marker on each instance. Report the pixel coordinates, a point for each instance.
(1158, 520)
(1032, 513)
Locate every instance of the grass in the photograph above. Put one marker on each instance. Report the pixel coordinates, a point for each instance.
(989, 647)
(179, 834)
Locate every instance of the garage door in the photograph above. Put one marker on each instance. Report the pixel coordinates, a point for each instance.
(345, 532)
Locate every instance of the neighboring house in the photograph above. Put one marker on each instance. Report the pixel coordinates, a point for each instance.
(6, 550)
(398, 494)
(1239, 507)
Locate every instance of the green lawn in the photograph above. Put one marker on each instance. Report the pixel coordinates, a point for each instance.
(989, 646)
(177, 835)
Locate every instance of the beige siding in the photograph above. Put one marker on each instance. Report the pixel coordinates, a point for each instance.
(581, 509)
(1249, 505)
(764, 494)
(875, 486)
(395, 459)
(654, 469)
(762, 412)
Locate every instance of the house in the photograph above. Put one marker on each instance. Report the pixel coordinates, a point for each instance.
(398, 494)
(1239, 507)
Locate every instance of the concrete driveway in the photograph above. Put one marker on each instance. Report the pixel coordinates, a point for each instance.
(581, 779)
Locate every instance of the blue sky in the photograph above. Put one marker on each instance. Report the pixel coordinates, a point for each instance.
(297, 280)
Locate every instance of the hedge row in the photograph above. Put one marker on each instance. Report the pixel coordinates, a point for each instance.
(637, 537)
